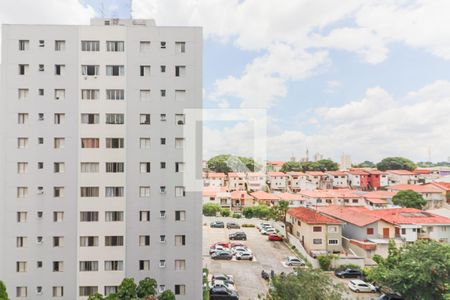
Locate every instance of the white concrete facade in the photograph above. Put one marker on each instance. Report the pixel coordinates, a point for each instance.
(92, 188)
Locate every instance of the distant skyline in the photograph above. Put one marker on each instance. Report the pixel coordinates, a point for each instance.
(365, 78)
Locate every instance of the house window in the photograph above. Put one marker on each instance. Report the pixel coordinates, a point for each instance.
(59, 69)
(144, 167)
(333, 242)
(86, 291)
(180, 240)
(90, 118)
(145, 95)
(370, 231)
(180, 289)
(90, 94)
(144, 46)
(144, 240)
(110, 289)
(90, 46)
(144, 143)
(180, 71)
(89, 191)
(90, 143)
(115, 94)
(24, 45)
(89, 216)
(58, 291)
(90, 70)
(317, 241)
(144, 216)
(89, 167)
(144, 71)
(144, 191)
(114, 191)
(113, 241)
(88, 241)
(113, 216)
(115, 46)
(60, 45)
(403, 231)
(113, 265)
(180, 215)
(115, 119)
(144, 119)
(114, 143)
(180, 47)
(144, 265)
(23, 94)
(115, 70)
(332, 229)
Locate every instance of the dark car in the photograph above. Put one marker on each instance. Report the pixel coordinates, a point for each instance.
(240, 235)
(224, 277)
(220, 293)
(389, 297)
(222, 255)
(233, 225)
(217, 224)
(349, 273)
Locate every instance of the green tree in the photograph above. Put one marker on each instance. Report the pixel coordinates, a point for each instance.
(291, 166)
(261, 211)
(248, 212)
(304, 284)
(211, 209)
(416, 271)
(409, 198)
(146, 287)
(365, 164)
(278, 213)
(96, 296)
(396, 163)
(127, 289)
(167, 295)
(325, 261)
(326, 165)
(226, 163)
(225, 212)
(3, 293)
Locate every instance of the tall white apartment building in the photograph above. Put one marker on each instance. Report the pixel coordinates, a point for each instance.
(93, 135)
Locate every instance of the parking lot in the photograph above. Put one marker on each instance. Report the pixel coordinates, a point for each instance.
(268, 255)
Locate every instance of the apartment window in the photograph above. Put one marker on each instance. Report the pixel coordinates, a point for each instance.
(21, 241)
(39, 264)
(22, 142)
(21, 291)
(89, 216)
(115, 46)
(90, 143)
(163, 117)
(370, 231)
(144, 216)
(58, 241)
(317, 241)
(58, 266)
(144, 70)
(41, 68)
(90, 46)
(58, 143)
(24, 45)
(144, 95)
(40, 214)
(333, 242)
(180, 191)
(23, 69)
(90, 70)
(22, 118)
(114, 167)
(40, 165)
(89, 191)
(40, 116)
(144, 119)
(23, 94)
(179, 167)
(115, 94)
(162, 238)
(144, 167)
(90, 94)
(21, 266)
(180, 119)
(86, 291)
(89, 167)
(60, 45)
(59, 69)
(163, 45)
(113, 265)
(114, 241)
(41, 92)
(39, 240)
(180, 265)
(110, 289)
(114, 143)
(22, 192)
(90, 118)
(58, 291)
(41, 43)
(180, 95)
(144, 191)
(162, 263)
(88, 266)
(58, 167)
(144, 46)
(114, 119)
(115, 70)
(162, 213)
(144, 265)
(114, 191)
(144, 240)
(163, 93)
(317, 228)
(163, 69)
(180, 240)
(144, 143)
(180, 289)
(114, 216)
(163, 141)
(88, 241)
(58, 216)
(162, 165)
(40, 190)
(180, 71)
(162, 189)
(332, 229)
(180, 215)
(58, 118)
(22, 167)
(179, 143)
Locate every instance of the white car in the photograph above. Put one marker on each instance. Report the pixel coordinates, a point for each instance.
(262, 225)
(217, 248)
(222, 283)
(244, 255)
(294, 261)
(357, 285)
(268, 231)
(236, 250)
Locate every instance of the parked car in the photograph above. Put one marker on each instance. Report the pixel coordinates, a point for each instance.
(223, 244)
(262, 225)
(349, 273)
(217, 248)
(389, 296)
(237, 244)
(222, 283)
(221, 293)
(268, 230)
(275, 237)
(235, 250)
(244, 255)
(357, 285)
(217, 224)
(240, 235)
(233, 225)
(294, 261)
(224, 277)
(220, 254)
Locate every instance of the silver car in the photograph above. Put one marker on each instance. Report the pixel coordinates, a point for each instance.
(294, 261)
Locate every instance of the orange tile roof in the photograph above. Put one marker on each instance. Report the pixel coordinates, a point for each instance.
(240, 195)
(310, 216)
(255, 174)
(337, 193)
(289, 196)
(215, 175)
(275, 174)
(442, 185)
(212, 191)
(295, 173)
(336, 173)
(375, 172)
(357, 172)
(427, 188)
(422, 171)
(400, 172)
(399, 216)
(260, 195)
(315, 173)
(276, 162)
(379, 194)
(348, 215)
(234, 174)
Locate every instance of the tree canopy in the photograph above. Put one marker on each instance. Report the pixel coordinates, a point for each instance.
(304, 284)
(211, 209)
(409, 198)
(3, 293)
(278, 212)
(320, 165)
(365, 164)
(167, 295)
(226, 163)
(416, 271)
(129, 290)
(260, 211)
(396, 163)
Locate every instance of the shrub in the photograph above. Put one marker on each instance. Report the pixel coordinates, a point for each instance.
(248, 212)
(325, 261)
(225, 212)
(210, 209)
(236, 215)
(247, 225)
(348, 266)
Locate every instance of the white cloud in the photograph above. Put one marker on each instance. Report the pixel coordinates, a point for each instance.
(332, 86)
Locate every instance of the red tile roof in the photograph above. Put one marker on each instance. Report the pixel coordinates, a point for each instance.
(442, 185)
(400, 172)
(276, 162)
(315, 173)
(427, 188)
(260, 195)
(310, 216)
(233, 174)
(240, 195)
(212, 191)
(357, 172)
(337, 193)
(399, 216)
(348, 215)
(275, 174)
(289, 196)
(336, 173)
(295, 173)
(255, 174)
(215, 175)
